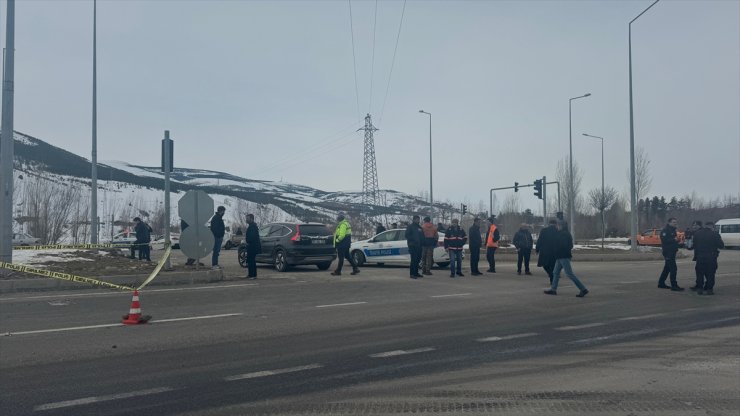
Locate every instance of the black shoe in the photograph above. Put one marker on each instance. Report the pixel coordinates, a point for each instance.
(491, 271)
(709, 292)
(251, 277)
(676, 289)
(452, 275)
(427, 273)
(528, 273)
(355, 271)
(583, 293)
(551, 292)
(336, 273)
(461, 275)
(476, 273)
(413, 277)
(418, 275)
(663, 286)
(695, 289)
(518, 272)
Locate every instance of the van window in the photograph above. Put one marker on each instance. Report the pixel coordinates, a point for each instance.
(315, 230)
(730, 228)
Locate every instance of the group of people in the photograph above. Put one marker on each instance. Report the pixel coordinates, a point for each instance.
(143, 238)
(705, 241)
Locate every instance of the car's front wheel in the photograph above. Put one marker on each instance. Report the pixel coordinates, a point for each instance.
(242, 256)
(281, 261)
(358, 257)
(228, 245)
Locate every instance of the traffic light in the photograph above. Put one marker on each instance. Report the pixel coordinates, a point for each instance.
(538, 188)
(464, 209)
(516, 186)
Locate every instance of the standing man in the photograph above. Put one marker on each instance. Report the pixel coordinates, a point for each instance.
(254, 246)
(379, 229)
(431, 236)
(455, 239)
(563, 247)
(523, 243)
(475, 243)
(414, 240)
(218, 229)
(342, 242)
(669, 242)
(143, 237)
(545, 248)
(707, 243)
(492, 238)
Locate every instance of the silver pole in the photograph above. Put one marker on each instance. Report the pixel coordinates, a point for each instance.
(544, 200)
(633, 186)
(94, 192)
(6, 141)
(431, 191)
(603, 195)
(167, 163)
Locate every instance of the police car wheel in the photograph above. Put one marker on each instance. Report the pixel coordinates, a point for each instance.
(358, 257)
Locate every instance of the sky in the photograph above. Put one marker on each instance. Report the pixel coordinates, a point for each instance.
(266, 89)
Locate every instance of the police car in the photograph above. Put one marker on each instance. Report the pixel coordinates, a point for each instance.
(389, 247)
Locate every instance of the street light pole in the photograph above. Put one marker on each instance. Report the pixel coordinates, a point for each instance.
(571, 197)
(431, 193)
(633, 186)
(603, 221)
(94, 174)
(6, 142)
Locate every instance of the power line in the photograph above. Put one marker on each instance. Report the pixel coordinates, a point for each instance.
(400, 24)
(354, 59)
(372, 65)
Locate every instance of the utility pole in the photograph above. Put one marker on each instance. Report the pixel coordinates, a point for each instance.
(6, 141)
(94, 191)
(369, 171)
(167, 164)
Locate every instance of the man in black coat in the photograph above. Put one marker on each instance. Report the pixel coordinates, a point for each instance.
(707, 243)
(475, 242)
(414, 240)
(669, 243)
(143, 238)
(254, 246)
(523, 243)
(379, 228)
(545, 248)
(219, 230)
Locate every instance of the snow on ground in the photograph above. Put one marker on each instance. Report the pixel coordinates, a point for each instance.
(598, 246)
(37, 257)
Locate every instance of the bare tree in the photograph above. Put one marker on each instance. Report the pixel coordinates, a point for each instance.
(643, 179)
(512, 204)
(601, 200)
(563, 175)
(49, 205)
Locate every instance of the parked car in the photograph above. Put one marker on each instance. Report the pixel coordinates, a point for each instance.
(651, 237)
(729, 230)
(124, 238)
(158, 244)
(23, 239)
(390, 247)
(287, 244)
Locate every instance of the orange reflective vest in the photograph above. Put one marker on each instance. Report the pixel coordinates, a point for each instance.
(489, 239)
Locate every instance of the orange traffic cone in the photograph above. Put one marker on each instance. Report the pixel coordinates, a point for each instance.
(134, 316)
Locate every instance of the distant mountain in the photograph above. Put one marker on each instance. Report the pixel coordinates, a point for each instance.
(34, 156)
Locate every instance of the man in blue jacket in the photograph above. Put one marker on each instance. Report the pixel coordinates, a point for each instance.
(669, 243)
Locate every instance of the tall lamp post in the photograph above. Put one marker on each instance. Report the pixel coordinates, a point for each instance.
(603, 221)
(633, 187)
(431, 193)
(94, 162)
(571, 197)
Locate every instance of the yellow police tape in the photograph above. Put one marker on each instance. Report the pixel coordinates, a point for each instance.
(79, 279)
(76, 246)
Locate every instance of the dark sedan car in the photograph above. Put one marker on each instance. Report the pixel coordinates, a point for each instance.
(287, 244)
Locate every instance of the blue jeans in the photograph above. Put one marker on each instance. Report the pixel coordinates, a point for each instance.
(455, 261)
(564, 264)
(216, 251)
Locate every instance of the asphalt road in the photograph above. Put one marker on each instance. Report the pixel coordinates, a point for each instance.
(305, 342)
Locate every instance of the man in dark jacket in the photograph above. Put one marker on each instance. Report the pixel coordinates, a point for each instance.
(455, 239)
(545, 248)
(669, 243)
(379, 228)
(475, 243)
(414, 240)
(431, 237)
(143, 238)
(218, 229)
(254, 246)
(523, 243)
(707, 243)
(563, 247)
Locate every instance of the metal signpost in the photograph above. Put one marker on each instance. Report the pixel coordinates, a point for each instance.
(167, 164)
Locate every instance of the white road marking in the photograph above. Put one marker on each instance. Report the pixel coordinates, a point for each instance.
(98, 399)
(448, 296)
(267, 373)
(634, 318)
(79, 295)
(506, 337)
(726, 319)
(340, 304)
(77, 328)
(630, 281)
(401, 352)
(617, 336)
(574, 327)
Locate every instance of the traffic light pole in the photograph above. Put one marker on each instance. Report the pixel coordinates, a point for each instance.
(517, 186)
(544, 201)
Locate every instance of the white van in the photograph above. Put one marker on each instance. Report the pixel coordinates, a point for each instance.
(729, 229)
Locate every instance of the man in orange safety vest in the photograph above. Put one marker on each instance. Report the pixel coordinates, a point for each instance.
(492, 238)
